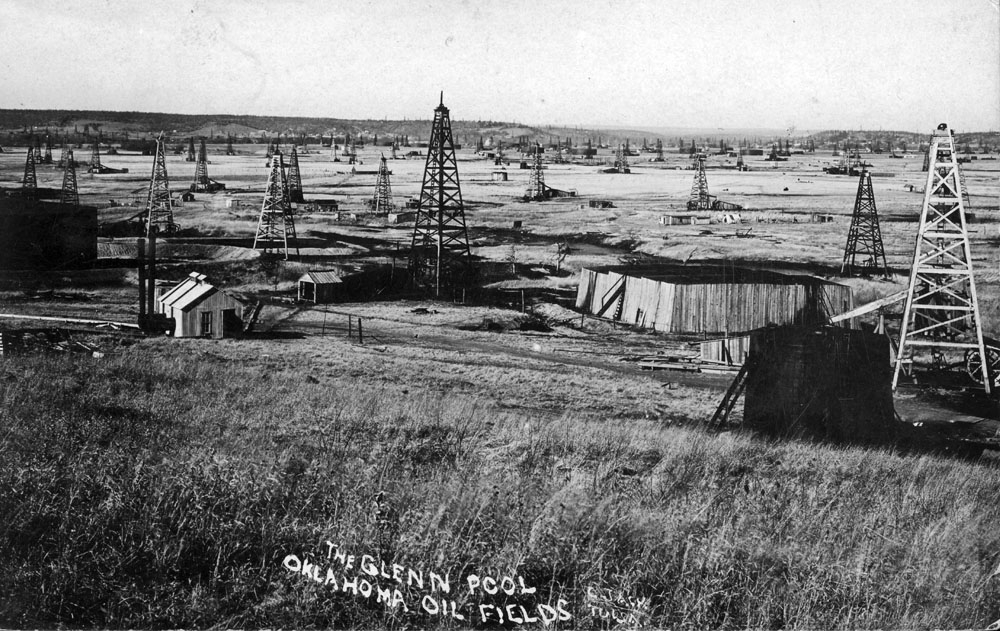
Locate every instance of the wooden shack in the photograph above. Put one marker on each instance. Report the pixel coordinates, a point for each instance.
(200, 309)
(721, 299)
(319, 286)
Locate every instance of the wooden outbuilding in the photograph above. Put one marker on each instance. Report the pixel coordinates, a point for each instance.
(200, 309)
(319, 286)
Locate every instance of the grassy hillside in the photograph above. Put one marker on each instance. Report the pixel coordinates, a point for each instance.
(178, 488)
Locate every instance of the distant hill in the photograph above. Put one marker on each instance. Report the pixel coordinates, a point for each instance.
(18, 126)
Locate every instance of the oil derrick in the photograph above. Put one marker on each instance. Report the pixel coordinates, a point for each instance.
(202, 183)
(62, 157)
(864, 253)
(395, 145)
(440, 256)
(382, 200)
(699, 199)
(621, 161)
(270, 151)
(740, 164)
(229, 145)
(47, 156)
(659, 151)
(159, 212)
(537, 191)
(29, 184)
(95, 157)
(38, 150)
(276, 226)
(190, 153)
(69, 196)
(499, 158)
(294, 189)
(941, 316)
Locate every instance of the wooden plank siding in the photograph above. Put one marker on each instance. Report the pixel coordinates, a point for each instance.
(706, 300)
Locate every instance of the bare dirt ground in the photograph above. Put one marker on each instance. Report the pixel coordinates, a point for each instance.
(451, 348)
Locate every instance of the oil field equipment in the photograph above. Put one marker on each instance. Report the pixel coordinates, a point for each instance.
(439, 255)
(864, 252)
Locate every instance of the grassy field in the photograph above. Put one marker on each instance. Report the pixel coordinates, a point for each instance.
(165, 485)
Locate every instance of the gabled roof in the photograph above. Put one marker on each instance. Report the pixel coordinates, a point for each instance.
(188, 293)
(321, 277)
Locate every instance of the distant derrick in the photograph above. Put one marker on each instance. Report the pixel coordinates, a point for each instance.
(29, 183)
(659, 150)
(864, 252)
(382, 200)
(47, 157)
(276, 225)
(69, 195)
(95, 157)
(941, 316)
(439, 256)
(159, 210)
(202, 183)
(699, 198)
(536, 180)
(229, 145)
(190, 157)
(621, 161)
(295, 195)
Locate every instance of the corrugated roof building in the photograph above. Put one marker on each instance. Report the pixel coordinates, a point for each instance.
(200, 309)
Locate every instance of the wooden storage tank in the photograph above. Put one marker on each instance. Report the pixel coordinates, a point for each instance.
(822, 382)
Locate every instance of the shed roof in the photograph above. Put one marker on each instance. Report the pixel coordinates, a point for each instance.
(321, 277)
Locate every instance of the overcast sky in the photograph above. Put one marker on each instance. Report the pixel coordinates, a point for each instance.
(811, 64)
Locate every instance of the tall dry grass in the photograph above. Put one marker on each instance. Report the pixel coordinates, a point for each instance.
(165, 491)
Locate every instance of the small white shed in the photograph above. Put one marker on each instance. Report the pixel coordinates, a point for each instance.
(200, 309)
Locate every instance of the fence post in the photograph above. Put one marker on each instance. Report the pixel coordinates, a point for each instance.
(350, 327)
(361, 337)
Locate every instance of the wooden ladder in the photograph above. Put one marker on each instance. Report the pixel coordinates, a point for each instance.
(721, 416)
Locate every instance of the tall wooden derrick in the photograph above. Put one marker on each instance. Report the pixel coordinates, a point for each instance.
(229, 145)
(941, 316)
(382, 200)
(95, 157)
(69, 196)
(47, 156)
(37, 148)
(659, 151)
(294, 190)
(439, 256)
(699, 198)
(29, 183)
(864, 253)
(536, 179)
(190, 157)
(159, 212)
(276, 226)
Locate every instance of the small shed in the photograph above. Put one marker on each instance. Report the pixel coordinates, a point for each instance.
(500, 175)
(319, 286)
(200, 309)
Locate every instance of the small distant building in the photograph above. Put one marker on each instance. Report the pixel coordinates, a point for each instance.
(200, 309)
(500, 176)
(319, 286)
(187, 196)
(403, 217)
(601, 203)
